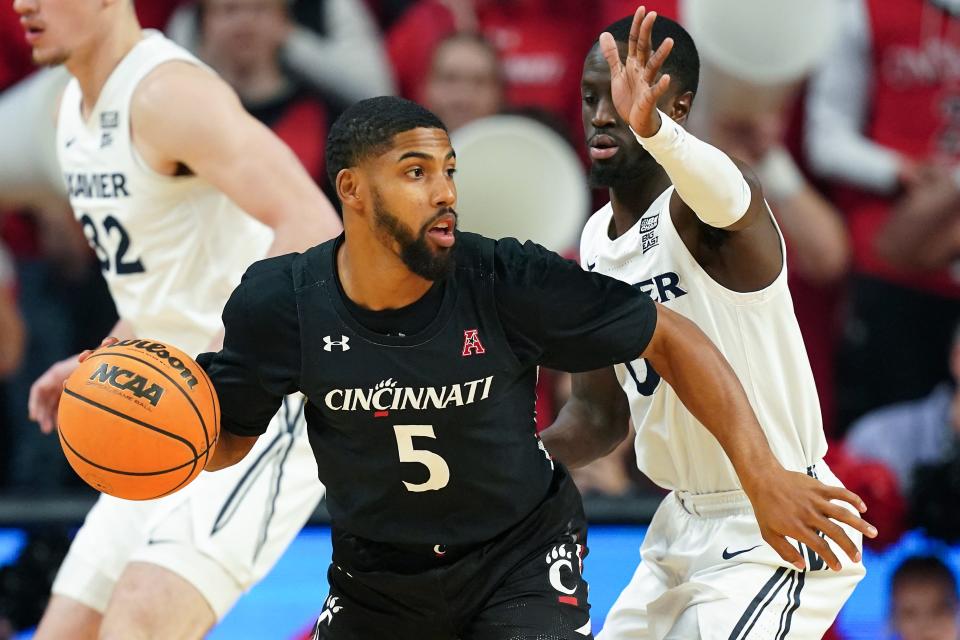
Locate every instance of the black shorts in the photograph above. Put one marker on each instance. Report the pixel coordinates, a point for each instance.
(526, 584)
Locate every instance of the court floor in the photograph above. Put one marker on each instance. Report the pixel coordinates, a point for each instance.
(285, 604)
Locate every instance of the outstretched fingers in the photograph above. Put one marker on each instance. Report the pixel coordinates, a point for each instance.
(655, 63)
(844, 495)
(608, 47)
(786, 550)
(638, 17)
(644, 45)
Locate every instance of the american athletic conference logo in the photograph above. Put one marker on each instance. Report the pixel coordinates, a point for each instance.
(471, 343)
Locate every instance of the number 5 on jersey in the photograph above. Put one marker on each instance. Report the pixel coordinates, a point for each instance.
(439, 472)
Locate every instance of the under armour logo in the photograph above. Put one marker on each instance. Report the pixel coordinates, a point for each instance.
(471, 343)
(329, 343)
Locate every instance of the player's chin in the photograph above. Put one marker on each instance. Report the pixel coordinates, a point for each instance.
(48, 57)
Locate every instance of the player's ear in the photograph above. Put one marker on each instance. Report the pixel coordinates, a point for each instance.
(679, 106)
(348, 189)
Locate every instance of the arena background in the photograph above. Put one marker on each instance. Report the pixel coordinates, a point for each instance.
(509, 91)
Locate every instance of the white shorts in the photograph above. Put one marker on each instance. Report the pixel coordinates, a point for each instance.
(706, 573)
(222, 533)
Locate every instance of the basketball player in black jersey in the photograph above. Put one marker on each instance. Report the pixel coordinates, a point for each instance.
(417, 347)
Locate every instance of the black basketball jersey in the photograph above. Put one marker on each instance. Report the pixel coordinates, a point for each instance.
(427, 437)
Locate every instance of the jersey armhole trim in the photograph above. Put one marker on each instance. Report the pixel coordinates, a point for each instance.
(739, 298)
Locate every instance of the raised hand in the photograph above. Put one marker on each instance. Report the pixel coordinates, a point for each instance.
(634, 84)
(793, 505)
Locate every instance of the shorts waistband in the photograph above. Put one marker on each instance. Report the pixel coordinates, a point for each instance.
(724, 503)
(714, 505)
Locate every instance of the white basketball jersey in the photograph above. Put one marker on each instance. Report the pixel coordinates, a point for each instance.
(757, 332)
(172, 249)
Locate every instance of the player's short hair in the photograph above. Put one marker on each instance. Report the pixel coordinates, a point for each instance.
(367, 128)
(925, 569)
(683, 63)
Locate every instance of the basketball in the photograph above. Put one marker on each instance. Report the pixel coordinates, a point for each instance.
(137, 419)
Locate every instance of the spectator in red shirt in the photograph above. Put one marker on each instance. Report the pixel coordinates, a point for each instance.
(540, 42)
(242, 40)
(884, 126)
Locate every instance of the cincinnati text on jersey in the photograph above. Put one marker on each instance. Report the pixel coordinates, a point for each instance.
(386, 396)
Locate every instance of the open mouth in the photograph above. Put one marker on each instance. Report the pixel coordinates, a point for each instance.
(32, 32)
(442, 230)
(603, 147)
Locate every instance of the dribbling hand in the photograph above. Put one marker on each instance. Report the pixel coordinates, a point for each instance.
(634, 84)
(44, 400)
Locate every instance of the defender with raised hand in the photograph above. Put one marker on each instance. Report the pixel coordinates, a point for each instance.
(746, 544)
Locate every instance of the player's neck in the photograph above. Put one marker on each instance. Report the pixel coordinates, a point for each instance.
(92, 67)
(631, 200)
(374, 277)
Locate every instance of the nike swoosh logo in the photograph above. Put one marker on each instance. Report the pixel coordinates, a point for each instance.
(727, 555)
(70, 142)
(590, 267)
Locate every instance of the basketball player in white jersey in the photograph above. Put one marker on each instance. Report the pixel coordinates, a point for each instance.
(178, 190)
(728, 554)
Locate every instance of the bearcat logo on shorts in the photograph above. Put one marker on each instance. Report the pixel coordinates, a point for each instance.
(160, 350)
(128, 381)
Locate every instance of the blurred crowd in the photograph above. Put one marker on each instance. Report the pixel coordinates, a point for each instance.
(859, 156)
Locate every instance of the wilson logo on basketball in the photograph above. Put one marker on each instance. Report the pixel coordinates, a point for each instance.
(160, 350)
(127, 380)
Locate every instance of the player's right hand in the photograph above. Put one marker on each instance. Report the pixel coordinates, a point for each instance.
(45, 392)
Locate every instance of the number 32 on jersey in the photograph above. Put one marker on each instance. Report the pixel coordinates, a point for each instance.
(111, 244)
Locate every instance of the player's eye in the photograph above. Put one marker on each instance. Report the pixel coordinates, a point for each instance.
(451, 171)
(589, 99)
(415, 172)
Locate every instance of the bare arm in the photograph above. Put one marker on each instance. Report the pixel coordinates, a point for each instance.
(233, 151)
(594, 420)
(12, 332)
(230, 450)
(923, 230)
(837, 104)
(786, 504)
(812, 226)
(349, 60)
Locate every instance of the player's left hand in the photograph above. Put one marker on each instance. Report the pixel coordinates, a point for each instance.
(793, 505)
(634, 84)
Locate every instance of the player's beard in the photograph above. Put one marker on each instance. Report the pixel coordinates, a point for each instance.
(611, 175)
(415, 250)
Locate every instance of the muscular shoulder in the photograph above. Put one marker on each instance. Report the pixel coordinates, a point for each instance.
(164, 107)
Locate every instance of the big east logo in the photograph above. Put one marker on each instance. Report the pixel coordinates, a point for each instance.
(128, 381)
